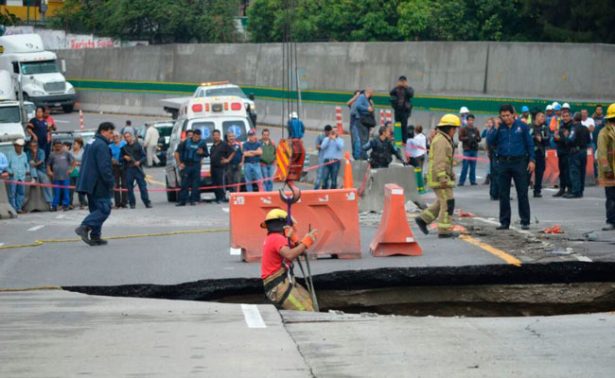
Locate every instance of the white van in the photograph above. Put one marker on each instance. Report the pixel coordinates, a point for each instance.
(42, 82)
(224, 114)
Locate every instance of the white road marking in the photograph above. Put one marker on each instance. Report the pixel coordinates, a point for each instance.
(225, 209)
(252, 316)
(36, 228)
(61, 121)
(583, 258)
(61, 216)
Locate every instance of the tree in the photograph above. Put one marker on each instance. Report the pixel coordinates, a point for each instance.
(157, 21)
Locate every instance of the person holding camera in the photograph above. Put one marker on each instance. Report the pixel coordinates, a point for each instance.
(470, 138)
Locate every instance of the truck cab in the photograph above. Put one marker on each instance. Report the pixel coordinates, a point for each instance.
(225, 114)
(38, 71)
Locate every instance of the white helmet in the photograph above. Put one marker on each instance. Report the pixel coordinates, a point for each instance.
(549, 107)
(294, 115)
(464, 110)
(566, 105)
(554, 104)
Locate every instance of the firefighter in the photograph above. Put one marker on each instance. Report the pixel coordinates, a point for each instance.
(606, 165)
(281, 248)
(441, 178)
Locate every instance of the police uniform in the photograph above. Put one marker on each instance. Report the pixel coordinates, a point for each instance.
(563, 156)
(514, 149)
(579, 139)
(441, 178)
(191, 174)
(540, 134)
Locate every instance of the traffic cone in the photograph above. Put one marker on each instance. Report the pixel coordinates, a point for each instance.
(348, 182)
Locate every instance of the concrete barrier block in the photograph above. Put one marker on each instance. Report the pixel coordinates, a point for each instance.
(6, 210)
(372, 197)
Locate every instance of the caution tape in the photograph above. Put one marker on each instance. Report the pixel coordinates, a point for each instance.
(38, 243)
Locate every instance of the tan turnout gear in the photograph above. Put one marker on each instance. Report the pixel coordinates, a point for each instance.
(606, 154)
(282, 290)
(441, 178)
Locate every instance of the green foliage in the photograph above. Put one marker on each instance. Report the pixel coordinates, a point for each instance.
(449, 20)
(7, 19)
(158, 21)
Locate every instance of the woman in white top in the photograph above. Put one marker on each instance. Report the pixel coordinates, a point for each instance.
(416, 148)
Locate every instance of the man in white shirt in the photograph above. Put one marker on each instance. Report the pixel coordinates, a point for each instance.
(151, 143)
(587, 121)
(416, 148)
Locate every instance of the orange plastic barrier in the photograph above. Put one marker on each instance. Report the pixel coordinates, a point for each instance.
(334, 213)
(348, 181)
(394, 236)
(551, 175)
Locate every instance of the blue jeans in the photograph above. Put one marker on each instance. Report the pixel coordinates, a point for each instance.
(330, 174)
(468, 162)
(133, 174)
(359, 135)
(17, 193)
(252, 171)
(63, 192)
(190, 178)
(319, 175)
(267, 173)
(100, 209)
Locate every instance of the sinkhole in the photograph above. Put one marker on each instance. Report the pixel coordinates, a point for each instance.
(476, 291)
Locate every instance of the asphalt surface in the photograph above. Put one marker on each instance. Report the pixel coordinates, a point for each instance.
(169, 245)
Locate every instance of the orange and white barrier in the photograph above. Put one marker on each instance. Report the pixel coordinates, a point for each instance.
(334, 213)
(394, 236)
(338, 120)
(81, 120)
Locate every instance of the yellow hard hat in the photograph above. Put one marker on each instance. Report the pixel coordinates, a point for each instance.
(275, 214)
(450, 120)
(610, 112)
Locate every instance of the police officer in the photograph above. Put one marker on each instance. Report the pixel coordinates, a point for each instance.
(578, 140)
(188, 157)
(606, 165)
(441, 178)
(382, 149)
(514, 150)
(560, 136)
(540, 135)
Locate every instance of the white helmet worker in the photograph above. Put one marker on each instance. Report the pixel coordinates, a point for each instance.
(464, 110)
(294, 115)
(566, 105)
(549, 107)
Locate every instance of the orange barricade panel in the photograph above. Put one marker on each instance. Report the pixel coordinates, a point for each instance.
(282, 156)
(334, 213)
(551, 175)
(394, 236)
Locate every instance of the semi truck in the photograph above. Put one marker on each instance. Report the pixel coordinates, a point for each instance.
(36, 71)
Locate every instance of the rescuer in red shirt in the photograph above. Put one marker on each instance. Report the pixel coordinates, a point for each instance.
(280, 248)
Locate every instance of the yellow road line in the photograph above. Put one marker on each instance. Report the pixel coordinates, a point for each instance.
(491, 249)
(9, 290)
(38, 243)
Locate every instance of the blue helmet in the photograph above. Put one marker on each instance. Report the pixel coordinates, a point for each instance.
(525, 109)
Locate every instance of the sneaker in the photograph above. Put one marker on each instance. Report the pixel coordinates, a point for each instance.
(422, 225)
(502, 227)
(84, 232)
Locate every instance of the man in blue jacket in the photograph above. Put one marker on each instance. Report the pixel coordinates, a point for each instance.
(96, 181)
(514, 151)
(296, 129)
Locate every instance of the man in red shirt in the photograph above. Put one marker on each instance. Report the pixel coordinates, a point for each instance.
(280, 249)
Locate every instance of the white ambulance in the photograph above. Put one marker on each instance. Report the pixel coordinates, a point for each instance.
(225, 114)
